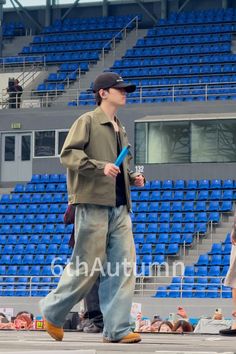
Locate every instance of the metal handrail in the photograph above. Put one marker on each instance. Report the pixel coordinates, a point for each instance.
(24, 64)
(113, 39)
(145, 285)
(47, 97)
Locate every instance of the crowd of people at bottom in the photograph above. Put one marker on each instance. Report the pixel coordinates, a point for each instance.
(176, 323)
(23, 320)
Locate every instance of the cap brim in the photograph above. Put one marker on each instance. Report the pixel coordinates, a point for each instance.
(128, 87)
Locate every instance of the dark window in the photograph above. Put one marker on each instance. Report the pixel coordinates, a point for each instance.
(44, 143)
(9, 148)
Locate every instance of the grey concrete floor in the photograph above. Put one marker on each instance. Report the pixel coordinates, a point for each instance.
(81, 343)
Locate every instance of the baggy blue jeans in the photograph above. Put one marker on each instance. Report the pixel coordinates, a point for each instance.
(104, 247)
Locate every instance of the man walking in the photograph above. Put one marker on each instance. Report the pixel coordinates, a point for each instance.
(103, 229)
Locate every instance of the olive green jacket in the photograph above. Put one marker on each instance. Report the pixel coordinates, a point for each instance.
(90, 144)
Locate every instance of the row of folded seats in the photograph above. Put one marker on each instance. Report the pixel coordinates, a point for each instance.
(32, 249)
(190, 184)
(27, 270)
(28, 198)
(178, 50)
(71, 47)
(26, 209)
(90, 24)
(194, 291)
(208, 38)
(48, 178)
(165, 227)
(203, 16)
(175, 217)
(75, 37)
(177, 60)
(160, 99)
(24, 290)
(178, 70)
(31, 218)
(35, 229)
(190, 30)
(41, 187)
(25, 239)
(183, 195)
(12, 29)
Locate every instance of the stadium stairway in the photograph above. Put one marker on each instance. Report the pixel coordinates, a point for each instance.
(218, 235)
(85, 81)
(15, 45)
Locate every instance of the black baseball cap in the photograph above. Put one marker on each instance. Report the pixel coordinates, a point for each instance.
(109, 79)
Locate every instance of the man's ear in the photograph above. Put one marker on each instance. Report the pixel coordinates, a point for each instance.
(103, 93)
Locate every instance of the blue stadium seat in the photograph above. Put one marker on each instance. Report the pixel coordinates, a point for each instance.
(153, 207)
(156, 185)
(138, 238)
(174, 291)
(216, 184)
(202, 260)
(161, 292)
(200, 206)
(179, 184)
(190, 195)
(160, 249)
(173, 249)
(189, 271)
(214, 205)
(191, 184)
(151, 238)
(228, 184)
(155, 196)
(227, 195)
(200, 291)
(204, 184)
(165, 207)
(226, 292)
(203, 195)
(214, 271)
(227, 248)
(226, 206)
(28, 259)
(216, 259)
(163, 238)
(142, 206)
(176, 206)
(167, 184)
(214, 217)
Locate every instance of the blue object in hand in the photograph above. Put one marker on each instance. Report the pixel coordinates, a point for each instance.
(124, 152)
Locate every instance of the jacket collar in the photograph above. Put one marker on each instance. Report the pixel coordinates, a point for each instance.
(102, 117)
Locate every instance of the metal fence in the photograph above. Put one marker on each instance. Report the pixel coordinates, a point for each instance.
(143, 94)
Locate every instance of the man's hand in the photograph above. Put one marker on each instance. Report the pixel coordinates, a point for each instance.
(139, 181)
(111, 170)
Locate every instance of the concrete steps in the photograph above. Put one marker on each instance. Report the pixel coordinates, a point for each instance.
(176, 265)
(15, 46)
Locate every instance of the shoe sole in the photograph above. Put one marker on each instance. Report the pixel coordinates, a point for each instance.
(123, 341)
(59, 339)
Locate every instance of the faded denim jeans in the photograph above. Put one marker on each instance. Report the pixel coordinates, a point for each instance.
(103, 236)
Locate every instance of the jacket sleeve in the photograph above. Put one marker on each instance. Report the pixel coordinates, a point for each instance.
(73, 155)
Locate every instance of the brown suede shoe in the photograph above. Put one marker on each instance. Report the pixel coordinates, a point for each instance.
(129, 338)
(56, 333)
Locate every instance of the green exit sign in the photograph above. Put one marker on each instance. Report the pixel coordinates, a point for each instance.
(15, 125)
